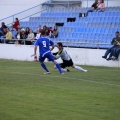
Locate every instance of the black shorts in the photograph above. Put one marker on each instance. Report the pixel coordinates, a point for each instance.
(66, 63)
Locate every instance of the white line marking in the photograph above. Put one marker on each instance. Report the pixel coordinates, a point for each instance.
(91, 81)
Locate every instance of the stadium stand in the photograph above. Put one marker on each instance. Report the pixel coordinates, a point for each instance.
(97, 29)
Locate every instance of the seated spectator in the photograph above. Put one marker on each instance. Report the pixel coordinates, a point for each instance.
(94, 7)
(44, 27)
(115, 52)
(101, 6)
(54, 34)
(38, 35)
(23, 35)
(16, 24)
(30, 38)
(110, 50)
(39, 28)
(8, 36)
(18, 37)
(27, 31)
(3, 29)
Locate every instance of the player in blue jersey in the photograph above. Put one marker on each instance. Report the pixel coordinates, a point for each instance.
(45, 52)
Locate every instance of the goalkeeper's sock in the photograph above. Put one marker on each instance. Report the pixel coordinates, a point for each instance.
(44, 67)
(81, 69)
(58, 67)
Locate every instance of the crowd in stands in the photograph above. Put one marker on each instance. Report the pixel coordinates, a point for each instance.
(27, 36)
(24, 35)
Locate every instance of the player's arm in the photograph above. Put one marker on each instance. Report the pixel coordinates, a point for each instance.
(52, 45)
(55, 53)
(35, 48)
(58, 55)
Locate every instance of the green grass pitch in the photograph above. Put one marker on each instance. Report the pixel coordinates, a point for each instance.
(27, 94)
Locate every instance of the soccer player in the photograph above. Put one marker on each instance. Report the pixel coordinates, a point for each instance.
(67, 61)
(44, 50)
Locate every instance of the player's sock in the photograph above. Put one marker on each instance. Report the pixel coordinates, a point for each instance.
(44, 67)
(58, 67)
(81, 69)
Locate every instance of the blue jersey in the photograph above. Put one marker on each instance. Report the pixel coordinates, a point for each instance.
(44, 45)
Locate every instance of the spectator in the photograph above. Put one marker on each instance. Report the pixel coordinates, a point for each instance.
(44, 27)
(94, 7)
(55, 32)
(115, 52)
(30, 38)
(101, 6)
(39, 28)
(27, 31)
(47, 31)
(8, 36)
(18, 37)
(38, 35)
(110, 50)
(16, 24)
(3, 29)
(23, 35)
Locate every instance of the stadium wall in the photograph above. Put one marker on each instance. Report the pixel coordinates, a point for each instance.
(80, 56)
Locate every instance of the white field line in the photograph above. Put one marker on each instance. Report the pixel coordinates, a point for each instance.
(63, 77)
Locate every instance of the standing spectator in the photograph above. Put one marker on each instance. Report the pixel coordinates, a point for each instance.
(16, 24)
(114, 43)
(55, 32)
(8, 36)
(30, 38)
(94, 7)
(101, 6)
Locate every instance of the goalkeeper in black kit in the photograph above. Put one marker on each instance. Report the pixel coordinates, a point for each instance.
(67, 61)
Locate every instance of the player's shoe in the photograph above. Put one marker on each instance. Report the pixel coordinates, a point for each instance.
(104, 57)
(68, 70)
(62, 73)
(85, 71)
(46, 73)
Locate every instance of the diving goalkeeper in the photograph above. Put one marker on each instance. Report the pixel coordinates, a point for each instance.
(67, 61)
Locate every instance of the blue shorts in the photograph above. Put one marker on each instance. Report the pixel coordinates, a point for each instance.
(48, 55)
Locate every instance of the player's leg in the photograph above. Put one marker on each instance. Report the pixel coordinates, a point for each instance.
(79, 68)
(41, 59)
(51, 58)
(75, 66)
(62, 65)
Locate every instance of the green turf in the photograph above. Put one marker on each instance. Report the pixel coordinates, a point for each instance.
(27, 94)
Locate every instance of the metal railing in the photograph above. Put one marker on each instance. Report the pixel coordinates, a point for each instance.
(23, 15)
(67, 43)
